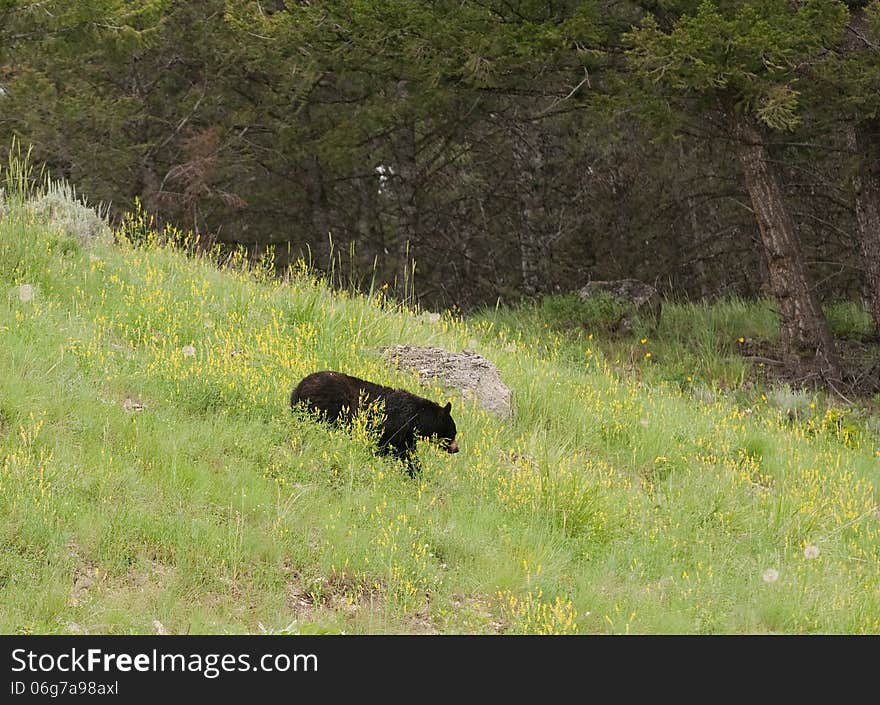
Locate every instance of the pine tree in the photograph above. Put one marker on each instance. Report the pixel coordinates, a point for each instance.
(741, 60)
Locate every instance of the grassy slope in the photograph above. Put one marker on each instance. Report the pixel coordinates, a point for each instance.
(614, 501)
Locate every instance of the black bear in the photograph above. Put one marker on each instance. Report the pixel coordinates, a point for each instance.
(339, 397)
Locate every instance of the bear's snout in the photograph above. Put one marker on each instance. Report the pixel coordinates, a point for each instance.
(452, 447)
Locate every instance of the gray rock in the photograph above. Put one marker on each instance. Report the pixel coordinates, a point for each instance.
(643, 298)
(467, 371)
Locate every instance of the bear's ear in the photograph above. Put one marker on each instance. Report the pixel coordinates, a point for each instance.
(448, 407)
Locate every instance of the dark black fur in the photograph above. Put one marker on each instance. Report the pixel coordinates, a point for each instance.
(338, 398)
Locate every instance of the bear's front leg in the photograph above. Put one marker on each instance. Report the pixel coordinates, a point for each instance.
(413, 464)
(405, 451)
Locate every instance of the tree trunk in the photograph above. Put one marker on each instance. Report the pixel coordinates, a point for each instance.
(803, 329)
(697, 235)
(150, 187)
(530, 259)
(406, 191)
(529, 164)
(866, 178)
(866, 184)
(319, 249)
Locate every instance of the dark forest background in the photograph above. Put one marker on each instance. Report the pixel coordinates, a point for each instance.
(479, 151)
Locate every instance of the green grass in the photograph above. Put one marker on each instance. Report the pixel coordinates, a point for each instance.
(628, 494)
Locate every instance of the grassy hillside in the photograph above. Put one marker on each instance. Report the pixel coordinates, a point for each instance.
(153, 479)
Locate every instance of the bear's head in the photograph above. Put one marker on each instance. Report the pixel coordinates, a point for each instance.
(438, 424)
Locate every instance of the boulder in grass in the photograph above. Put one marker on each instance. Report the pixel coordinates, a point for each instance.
(472, 374)
(639, 300)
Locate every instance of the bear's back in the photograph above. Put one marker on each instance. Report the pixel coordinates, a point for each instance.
(330, 391)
